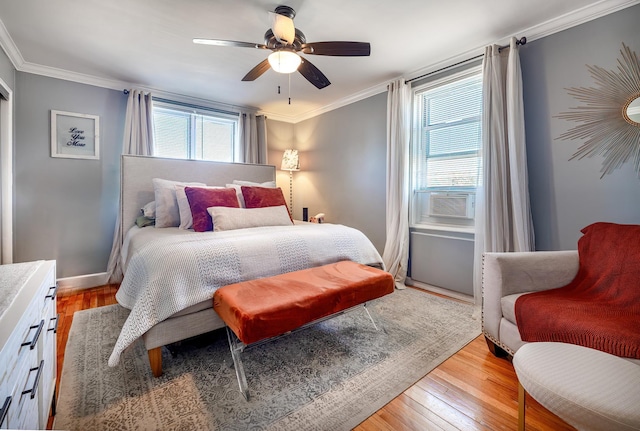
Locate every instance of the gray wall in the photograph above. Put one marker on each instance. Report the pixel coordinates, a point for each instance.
(342, 165)
(7, 71)
(65, 209)
(569, 195)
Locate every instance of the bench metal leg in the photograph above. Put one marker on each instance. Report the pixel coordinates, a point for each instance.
(371, 313)
(237, 347)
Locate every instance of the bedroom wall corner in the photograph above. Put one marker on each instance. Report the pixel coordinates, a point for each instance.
(343, 166)
(280, 137)
(65, 209)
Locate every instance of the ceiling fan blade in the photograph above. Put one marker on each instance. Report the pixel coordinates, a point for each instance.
(339, 49)
(283, 28)
(313, 74)
(257, 71)
(233, 43)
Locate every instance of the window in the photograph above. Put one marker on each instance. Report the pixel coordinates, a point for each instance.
(188, 133)
(447, 144)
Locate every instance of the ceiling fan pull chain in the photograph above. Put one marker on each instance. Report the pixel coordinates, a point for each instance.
(289, 89)
(278, 89)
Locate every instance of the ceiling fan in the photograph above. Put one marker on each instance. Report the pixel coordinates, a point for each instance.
(286, 42)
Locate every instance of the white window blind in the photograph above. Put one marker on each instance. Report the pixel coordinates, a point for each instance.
(194, 134)
(446, 156)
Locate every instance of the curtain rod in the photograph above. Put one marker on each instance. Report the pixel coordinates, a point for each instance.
(521, 41)
(190, 105)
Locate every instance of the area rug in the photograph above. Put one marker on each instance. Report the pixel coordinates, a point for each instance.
(330, 376)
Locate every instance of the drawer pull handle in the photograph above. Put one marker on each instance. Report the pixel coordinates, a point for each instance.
(5, 410)
(32, 344)
(34, 388)
(55, 328)
(55, 291)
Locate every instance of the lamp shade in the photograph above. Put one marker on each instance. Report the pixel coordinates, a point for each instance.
(290, 161)
(284, 61)
(283, 28)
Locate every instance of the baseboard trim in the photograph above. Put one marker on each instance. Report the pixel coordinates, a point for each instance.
(439, 290)
(82, 282)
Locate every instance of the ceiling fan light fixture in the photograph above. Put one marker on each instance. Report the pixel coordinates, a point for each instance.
(284, 61)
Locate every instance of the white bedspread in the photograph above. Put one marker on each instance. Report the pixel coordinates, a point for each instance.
(173, 272)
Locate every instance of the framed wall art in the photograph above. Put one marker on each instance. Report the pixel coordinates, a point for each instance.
(75, 136)
(610, 114)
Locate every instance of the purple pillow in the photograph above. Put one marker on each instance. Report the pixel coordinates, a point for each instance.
(200, 199)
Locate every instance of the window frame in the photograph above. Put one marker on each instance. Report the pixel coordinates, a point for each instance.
(430, 222)
(194, 111)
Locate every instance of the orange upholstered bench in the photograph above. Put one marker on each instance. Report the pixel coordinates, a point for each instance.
(261, 309)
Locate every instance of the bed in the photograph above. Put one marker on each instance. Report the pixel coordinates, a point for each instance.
(170, 274)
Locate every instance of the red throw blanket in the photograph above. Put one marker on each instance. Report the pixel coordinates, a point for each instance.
(600, 308)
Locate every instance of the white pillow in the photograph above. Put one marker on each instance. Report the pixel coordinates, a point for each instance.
(269, 184)
(149, 210)
(167, 213)
(184, 209)
(237, 184)
(225, 218)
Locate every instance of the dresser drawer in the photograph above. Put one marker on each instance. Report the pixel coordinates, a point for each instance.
(5, 404)
(22, 344)
(24, 402)
(28, 350)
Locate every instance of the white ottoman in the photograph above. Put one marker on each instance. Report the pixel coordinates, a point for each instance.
(589, 389)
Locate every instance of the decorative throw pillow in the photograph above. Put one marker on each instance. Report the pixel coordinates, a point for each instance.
(259, 197)
(186, 220)
(167, 213)
(241, 218)
(202, 198)
(237, 185)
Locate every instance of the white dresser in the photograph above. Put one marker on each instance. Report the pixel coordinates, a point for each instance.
(28, 324)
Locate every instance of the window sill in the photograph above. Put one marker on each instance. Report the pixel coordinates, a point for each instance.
(443, 228)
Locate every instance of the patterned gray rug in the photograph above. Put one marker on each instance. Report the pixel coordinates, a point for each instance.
(331, 376)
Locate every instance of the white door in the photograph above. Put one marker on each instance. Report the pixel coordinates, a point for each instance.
(6, 174)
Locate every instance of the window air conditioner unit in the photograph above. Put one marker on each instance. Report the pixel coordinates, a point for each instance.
(456, 205)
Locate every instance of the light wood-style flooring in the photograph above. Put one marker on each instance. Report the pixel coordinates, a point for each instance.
(472, 390)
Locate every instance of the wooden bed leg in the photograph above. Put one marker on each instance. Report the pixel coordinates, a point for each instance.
(155, 360)
(497, 351)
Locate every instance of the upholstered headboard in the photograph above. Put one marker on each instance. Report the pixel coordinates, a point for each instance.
(137, 172)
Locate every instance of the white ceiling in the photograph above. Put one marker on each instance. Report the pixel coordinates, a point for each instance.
(148, 43)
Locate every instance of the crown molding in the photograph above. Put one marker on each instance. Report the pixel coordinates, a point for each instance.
(563, 22)
(577, 17)
(371, 91)
(538, 31)
(80, 78)
(10, 48)
(66, 75)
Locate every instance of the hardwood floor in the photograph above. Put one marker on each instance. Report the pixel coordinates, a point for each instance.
(472, 390)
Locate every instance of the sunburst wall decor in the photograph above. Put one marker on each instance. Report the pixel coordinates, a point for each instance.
(606, 125)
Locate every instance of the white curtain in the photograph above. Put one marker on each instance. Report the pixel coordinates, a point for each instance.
(503, 214)
(137, 139)
(253, 138)
(396, 249)
(138, 124)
